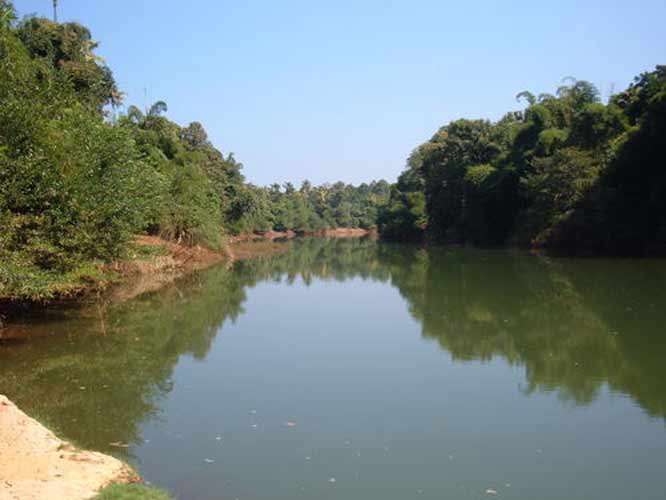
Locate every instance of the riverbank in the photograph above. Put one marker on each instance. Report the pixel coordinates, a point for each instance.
(339, 232)
(152, 263)
(36, 464)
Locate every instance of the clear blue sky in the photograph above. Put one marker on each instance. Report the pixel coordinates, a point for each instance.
(343, 90)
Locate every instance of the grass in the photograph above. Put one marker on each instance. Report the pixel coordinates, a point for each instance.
(146, 252)
(29, 283)
(132, 492)
(21, 281)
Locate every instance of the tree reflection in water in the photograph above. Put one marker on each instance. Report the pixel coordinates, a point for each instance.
(573, 324)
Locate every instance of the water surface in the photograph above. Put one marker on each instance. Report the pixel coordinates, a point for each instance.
(351, 369)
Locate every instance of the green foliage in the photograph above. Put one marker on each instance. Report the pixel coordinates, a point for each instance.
(132, 492)
(310, 208)
(477, 176)
(568, 172)
(7, 13)
(193, 215)
(550, 139)
(632, 190)
(22, 280)
(70, 183)
(75, 186)
(556, 187)
(404, 217)
(444, 164)
(69, 50)
(596, 124)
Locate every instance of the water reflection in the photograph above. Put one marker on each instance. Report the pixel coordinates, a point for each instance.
(574, 325)
(97, 385)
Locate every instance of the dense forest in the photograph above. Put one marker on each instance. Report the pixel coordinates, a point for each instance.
(568, 172)
(79, 177)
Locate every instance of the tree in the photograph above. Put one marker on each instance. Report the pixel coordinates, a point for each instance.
(7, 13)
(69, 50)
(195, 136)
(157, 109)
(568, 171)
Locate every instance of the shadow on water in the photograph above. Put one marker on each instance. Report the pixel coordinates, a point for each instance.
(574, 325)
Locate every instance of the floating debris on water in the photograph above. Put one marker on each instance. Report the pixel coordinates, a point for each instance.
(332, 480)
(209, 460)
(253, 412)
(218, 438)
(308, 458)
(491, 491)
(289, 423)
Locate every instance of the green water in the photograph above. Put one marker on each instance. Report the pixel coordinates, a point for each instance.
(397, 371)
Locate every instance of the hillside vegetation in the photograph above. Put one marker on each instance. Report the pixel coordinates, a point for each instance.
(568, 172)
(79, 178)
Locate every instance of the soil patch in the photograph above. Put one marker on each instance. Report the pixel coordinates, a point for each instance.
(35, 464)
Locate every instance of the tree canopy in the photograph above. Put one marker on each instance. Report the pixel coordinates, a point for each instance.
(567, 172)
(78, 178)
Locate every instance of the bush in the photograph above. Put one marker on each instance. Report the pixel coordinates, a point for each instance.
(69, 182)
(132, 492)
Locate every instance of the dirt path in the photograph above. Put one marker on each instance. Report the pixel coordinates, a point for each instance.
(35, 464)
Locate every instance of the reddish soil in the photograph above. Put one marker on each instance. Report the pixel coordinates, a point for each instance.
(268, 235)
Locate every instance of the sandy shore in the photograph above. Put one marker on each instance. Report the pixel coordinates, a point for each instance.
(35, 464)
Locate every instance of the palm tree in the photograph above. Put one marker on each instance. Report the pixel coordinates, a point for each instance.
(135, 115)
(138, 117)
(528, 96)
(157, 109)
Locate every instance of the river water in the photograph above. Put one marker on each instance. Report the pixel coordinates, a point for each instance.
(352, 369)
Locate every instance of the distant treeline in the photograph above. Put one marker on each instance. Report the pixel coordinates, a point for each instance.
(568, 172)
(78, 179)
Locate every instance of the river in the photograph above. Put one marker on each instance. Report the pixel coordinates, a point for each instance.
(353, 369)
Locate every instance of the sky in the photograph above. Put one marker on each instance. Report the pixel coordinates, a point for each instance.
(344, 90)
